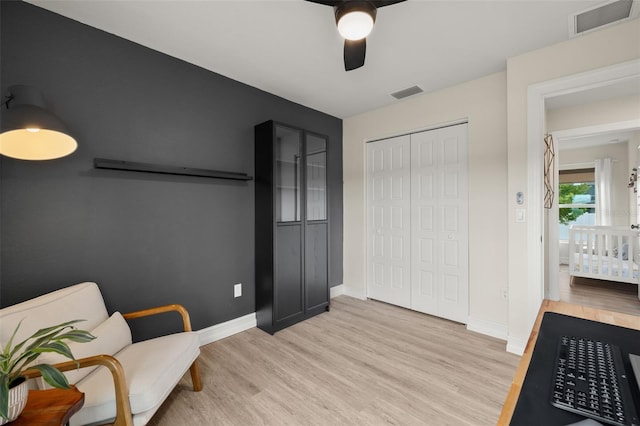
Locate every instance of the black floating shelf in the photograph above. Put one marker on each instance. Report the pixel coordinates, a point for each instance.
(103, 163)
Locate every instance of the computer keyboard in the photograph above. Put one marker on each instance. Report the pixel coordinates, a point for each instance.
(589, 379)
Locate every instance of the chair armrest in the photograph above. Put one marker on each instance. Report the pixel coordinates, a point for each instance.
(123, 408)
(186, 321)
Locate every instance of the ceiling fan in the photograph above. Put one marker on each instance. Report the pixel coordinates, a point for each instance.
(355, 19)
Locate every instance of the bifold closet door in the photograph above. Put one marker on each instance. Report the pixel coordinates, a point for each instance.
(417, 222)
(439, 223)
(389, 215)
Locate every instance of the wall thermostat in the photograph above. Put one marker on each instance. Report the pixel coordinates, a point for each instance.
(520, 197)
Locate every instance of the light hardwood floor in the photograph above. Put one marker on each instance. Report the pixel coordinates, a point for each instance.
(613, 296)
(362, 363)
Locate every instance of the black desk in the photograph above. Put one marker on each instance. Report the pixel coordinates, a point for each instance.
(533, 406)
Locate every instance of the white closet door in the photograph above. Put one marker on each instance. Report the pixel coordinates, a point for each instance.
(439, 223)
(388, 215)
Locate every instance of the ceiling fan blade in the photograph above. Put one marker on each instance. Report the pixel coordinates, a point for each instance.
(376, 3)
(382, 3)
(354, 53)
(326, 2)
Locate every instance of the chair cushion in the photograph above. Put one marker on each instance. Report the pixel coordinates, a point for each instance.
(152, 369)
(81, 301)
(111, 337)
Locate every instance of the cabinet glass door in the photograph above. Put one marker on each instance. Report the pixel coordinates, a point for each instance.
(316, 153)
(288, 153)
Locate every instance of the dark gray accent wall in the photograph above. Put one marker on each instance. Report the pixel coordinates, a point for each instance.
(146, 239)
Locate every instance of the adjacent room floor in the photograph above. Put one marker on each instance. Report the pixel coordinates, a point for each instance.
(362, 363)
(610, 295)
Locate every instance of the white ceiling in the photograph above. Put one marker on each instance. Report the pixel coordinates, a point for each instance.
(291, 47)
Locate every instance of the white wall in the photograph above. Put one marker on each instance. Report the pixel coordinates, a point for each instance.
(604, 112)
(483, 103)
(613, 45)
(496, 108)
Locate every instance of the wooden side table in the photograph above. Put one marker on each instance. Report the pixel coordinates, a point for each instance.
(52, 407)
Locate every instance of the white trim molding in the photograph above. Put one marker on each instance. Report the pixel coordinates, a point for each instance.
(536, 96)
(489, 328)
(595, 130)
(516, 346)
(336, 291)
(240, 324)
(226, 329)
(360, 293)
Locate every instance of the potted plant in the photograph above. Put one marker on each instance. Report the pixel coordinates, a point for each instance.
(14, 360)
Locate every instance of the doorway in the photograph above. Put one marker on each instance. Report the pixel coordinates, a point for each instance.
(538, 277)
(577, 151)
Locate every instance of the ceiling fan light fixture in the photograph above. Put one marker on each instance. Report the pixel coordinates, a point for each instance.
(355, 19)
(355, 25)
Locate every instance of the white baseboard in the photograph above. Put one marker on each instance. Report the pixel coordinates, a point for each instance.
(237, 325)
(515, 345)
(226, 329)
(489, 328)
(336, 291)
(357, 293)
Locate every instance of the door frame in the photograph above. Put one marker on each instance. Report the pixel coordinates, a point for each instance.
(537, 94)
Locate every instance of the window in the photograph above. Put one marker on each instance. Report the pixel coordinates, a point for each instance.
(576, 200)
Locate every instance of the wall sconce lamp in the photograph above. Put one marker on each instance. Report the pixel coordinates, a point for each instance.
(29, 130)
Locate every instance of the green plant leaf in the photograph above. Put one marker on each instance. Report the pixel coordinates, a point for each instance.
(4, 398)
(48, 330)
(18, 365)
(7, 347)
(15, 359)
(7, 351)
(53, 376)
(57, 347)
(78, 336)
(42, 340)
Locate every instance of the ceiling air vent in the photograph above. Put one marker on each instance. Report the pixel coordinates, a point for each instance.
(407, 92)
(603, 15)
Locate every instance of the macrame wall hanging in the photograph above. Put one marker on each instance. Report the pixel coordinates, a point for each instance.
(549, 173)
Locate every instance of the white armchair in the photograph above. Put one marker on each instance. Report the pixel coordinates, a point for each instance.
(138, 376)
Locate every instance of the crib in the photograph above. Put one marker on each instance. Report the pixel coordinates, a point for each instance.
(604, 253)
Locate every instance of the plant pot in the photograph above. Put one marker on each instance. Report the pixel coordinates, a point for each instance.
(17, 400)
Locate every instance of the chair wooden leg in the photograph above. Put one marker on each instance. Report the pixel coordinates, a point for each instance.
(195, 376)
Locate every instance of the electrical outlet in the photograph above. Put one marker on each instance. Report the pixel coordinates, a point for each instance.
(237, 290)
(505, 294)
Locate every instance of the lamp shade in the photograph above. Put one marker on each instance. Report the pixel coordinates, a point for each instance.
(29, 130)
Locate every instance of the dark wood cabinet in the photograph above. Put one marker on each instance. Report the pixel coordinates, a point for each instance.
(292, 226)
